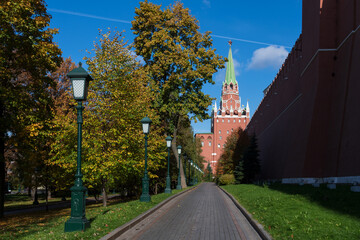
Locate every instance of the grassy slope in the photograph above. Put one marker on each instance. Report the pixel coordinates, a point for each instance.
(302, 212)
(51, 225)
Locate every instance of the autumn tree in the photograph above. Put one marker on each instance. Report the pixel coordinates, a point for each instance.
(179, 60)
(119, 98)
(113, 142)
(235, 145)
(226, 164)
(27, 54)
(191, 146)
(63, 116)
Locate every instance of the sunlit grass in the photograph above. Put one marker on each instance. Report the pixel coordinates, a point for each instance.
(302, 212)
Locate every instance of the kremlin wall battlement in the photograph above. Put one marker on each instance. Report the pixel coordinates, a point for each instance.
(308, 123)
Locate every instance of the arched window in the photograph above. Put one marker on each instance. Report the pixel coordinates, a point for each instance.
(209, 143)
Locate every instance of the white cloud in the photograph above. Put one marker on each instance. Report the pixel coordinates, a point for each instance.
(207, 3)
(272, 56)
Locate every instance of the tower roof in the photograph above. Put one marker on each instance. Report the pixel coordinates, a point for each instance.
(230, 71)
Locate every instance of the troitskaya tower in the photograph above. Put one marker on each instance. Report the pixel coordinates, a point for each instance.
(228, 117)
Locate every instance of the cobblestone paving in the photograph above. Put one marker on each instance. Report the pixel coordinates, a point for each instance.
(204, 213)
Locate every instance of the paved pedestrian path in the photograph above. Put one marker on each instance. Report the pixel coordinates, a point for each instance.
(204, 213)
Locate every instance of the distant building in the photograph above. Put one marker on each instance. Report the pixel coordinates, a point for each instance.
(227, 118)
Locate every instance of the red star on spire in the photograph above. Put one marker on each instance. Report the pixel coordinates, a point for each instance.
(230, 42)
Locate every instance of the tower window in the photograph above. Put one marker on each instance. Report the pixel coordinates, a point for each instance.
(218, 145)
(202, 144)
(234, 120)
(239, 121)
(219, 131)
(228, 120)
(223, 120)
(232, 130)
(220, 137)
(217, 120)
(209, 143)
(227, 131)
(244, 120)
(231, 86)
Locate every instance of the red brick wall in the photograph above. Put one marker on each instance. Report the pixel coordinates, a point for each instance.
(308, 123)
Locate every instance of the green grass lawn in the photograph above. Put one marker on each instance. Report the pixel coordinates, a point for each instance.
(16, 201)
(50, 225)
(302, 212)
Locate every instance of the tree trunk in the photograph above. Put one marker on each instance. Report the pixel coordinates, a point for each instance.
(32, 193)
(174, 149)
(36, 202)
(104, 193)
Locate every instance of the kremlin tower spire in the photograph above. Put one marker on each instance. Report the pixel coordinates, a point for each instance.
(225, 118)
(230, 71)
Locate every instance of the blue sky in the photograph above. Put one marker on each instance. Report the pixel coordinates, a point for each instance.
(262, 33)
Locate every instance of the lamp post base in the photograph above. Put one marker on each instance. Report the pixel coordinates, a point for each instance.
(178, 187)
(168, 186)
(77, 224)
(77, 221)
(145, 196)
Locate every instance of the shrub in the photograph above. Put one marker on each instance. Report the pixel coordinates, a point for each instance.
(227, 179)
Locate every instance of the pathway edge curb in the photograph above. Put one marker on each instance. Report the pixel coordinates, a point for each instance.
(123, 228)
(257, 226)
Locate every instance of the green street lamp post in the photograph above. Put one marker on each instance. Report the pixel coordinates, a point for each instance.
(78, 222)
(191, 183)
(185, 157)
(179, 176)
(145, 196)
(168, 182)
